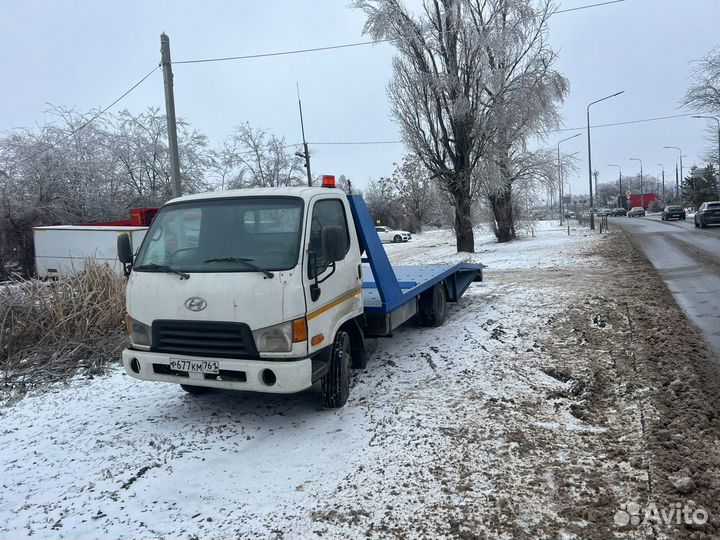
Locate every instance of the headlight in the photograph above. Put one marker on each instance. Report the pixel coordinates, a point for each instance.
(139, 332)
(280, 337)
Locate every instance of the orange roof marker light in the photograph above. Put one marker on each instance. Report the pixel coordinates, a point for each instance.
(328, 180)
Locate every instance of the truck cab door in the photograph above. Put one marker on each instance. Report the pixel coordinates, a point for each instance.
(333, 289)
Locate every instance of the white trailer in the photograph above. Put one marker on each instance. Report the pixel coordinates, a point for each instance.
(62, 250)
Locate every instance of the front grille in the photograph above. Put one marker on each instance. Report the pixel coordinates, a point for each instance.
(204, 338)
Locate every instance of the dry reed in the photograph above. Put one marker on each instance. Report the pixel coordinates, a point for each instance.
(51, 329)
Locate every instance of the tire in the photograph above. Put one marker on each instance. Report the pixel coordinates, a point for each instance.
(696, 223)
(335, 385)
(703, 225)
(433, 307)
(397, 239)
(195, 390)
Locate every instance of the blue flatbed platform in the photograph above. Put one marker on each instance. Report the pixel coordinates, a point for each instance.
(387, 288)
(414, 280)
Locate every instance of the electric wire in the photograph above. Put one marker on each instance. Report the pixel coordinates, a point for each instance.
(625, 123)
(103, 111)
(348, 45)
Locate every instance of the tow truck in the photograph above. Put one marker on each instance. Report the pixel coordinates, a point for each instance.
(271, 290)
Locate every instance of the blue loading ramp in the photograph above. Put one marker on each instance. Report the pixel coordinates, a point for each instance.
(389, 288)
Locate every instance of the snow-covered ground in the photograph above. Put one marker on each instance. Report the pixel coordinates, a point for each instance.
(443, 432)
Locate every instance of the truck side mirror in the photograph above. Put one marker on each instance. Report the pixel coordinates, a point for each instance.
(334, 242)
(124, 250)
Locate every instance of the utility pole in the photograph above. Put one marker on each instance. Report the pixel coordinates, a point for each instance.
(663, 180)
(306, 152)
(560, 177)
(642, 192)
(170, 113)
(595, 174)
(592, 215)
(677, 183)
(621, 197)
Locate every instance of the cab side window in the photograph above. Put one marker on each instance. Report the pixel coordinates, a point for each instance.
(325, 213)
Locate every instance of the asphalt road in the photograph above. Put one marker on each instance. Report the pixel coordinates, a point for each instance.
(688, 259)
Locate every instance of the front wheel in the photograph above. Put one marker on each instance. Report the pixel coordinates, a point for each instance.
(397, 239)
(335, 385)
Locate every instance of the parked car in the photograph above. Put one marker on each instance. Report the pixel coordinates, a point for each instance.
(387, 234)
(619, 212)
(673, 211)
(708, 214)
(636, 211)
(605, 212)
(570, 215)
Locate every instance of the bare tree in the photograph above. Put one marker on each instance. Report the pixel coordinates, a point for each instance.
(72, 171)
(437, 91)
(381, 199)
(417, 193)
(252, 158)
(525, 91)
(472, 81)
(703, 95)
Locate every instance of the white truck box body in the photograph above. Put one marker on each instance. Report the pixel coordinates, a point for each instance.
(62, 250)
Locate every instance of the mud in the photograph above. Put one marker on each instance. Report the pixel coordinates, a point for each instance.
(653, 377)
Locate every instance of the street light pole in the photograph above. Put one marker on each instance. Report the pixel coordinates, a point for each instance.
(663, 180)
(560, 179)
(718, 171)
(620, 191)
(592, 207)
(642, 193)
(677, 183)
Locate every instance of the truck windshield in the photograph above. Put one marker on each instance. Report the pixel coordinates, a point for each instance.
(213, 235)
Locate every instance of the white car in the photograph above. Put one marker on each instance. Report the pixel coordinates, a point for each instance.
(387, 234)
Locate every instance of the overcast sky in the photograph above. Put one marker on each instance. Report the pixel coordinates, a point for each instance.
(85, 54)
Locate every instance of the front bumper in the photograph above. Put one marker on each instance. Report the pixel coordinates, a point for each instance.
(290, 376)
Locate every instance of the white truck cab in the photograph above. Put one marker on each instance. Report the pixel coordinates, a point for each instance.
(248, 290)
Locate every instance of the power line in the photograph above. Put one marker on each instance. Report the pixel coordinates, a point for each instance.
(103, 111)
(624, 123)
(588, 6)
(355, 142)
(349, 45)
(283, 53)
(643, 120)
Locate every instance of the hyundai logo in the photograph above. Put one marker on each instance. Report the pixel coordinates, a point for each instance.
(195, 303)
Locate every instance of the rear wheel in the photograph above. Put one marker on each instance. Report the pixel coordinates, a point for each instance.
(335, 385)
(703, 225)
(195, 390)
(397, 239)
(433, 307)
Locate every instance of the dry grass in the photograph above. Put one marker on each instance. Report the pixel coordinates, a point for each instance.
(50, 329)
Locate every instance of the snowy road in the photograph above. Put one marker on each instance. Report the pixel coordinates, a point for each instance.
(514, 419)
(688, 259)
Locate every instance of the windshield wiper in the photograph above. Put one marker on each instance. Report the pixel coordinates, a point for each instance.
(246, 262)
(163, 268)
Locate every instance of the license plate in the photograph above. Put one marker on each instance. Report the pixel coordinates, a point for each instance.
(195, 366)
